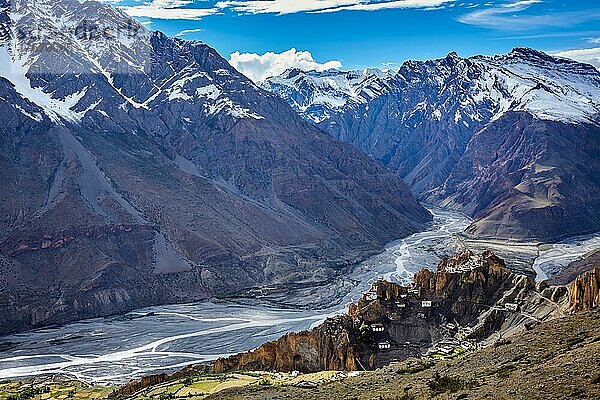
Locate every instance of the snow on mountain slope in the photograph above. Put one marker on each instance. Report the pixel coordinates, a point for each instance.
(104, 42)
(511, 140)
(549, 88)
(524, 80)
(317, 95)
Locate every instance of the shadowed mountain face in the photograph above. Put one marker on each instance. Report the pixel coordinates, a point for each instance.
(511, 140)
(137, 169)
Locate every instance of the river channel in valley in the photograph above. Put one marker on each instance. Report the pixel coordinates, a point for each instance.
(113, 350)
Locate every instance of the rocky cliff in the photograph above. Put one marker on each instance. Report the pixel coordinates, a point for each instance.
(330, 346)
(470, 299)
(584, 291)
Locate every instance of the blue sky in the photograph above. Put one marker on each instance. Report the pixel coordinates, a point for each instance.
(373, 33)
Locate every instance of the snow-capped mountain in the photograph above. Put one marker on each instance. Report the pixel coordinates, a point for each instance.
(524, 80)
(91, 41)
(319, 95)
(138, 169)
(426, 120)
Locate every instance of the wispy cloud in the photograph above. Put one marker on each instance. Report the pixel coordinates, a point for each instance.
(186, 32)
(424, 4)
(322, 6)
(281, 6)
(511, 16)
(588, 56)
(544, 35)
(169, 9)
(259, 67)
(188, 10)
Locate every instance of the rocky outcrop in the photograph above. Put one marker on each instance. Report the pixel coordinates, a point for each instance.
(327, 347)
(584, 291)
(471, 297)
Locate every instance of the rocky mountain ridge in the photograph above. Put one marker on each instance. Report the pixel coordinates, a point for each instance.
(139, 169)
(503, 138)
(470, 301)
(319, 95)
(548, 87)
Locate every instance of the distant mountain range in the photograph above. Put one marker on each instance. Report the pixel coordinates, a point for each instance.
(511, 140)
(137, 169)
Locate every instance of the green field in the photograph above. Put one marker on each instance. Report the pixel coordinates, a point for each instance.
(192, 387)
(51, 389)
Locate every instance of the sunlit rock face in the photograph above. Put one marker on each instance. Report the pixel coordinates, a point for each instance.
(584, 291)
(511, 140)
(469, 299)
(138, 169)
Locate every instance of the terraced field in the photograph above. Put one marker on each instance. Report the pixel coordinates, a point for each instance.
(192, 387)
(52, 388)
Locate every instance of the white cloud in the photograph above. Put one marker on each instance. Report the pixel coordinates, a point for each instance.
(259, 67)
(185, 9)
(545, 35)
(186, 32)
(498, 16)
(321, 6)
(281, 6)
(169, 9)
(510, 16)
(425, 4)
(588, 56)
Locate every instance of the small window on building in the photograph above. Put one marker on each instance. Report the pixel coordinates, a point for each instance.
(371, 296)
(384, 345)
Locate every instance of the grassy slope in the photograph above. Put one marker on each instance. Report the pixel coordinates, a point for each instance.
(559, 359)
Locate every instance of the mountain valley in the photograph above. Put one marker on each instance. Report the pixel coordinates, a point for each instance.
(145, 170)
(510, 140)
(176, 225)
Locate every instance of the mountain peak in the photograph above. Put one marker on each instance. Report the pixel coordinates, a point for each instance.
(525, 51)
(316, 94)
(453, 55)
(291, 72)
(539, 59)
(530, 54)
